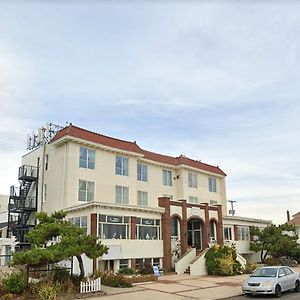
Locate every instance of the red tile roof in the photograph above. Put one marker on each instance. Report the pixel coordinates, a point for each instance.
(296, 220)
(84, 134)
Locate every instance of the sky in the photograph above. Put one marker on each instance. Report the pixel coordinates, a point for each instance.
(217, 81)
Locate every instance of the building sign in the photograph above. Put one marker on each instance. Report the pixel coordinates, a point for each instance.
(114, 219)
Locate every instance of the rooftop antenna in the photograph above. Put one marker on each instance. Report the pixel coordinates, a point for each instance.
(232, 211)
(43, 136)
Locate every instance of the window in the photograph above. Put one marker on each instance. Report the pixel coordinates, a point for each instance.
(213, 202)
(193, 180)
(174, 227)
(122, 194)
(228, 233)
(45, 193)
(288, 271)
(213, 230)
(147, 229)
(46, 161)
(212, 184)
(80, 222)
(87, 158)
(142, 172)
(142, 198)
(113, 227)
(139, 263)
(193, 199)
(123, 264)
(243, 233)
(167, 177)
(121, 165)
(86, 191)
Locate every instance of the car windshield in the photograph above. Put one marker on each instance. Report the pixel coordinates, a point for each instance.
(265, 272)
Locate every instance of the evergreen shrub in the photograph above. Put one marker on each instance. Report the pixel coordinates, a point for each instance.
(221, 260)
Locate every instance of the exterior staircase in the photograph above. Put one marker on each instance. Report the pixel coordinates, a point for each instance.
(198, 254)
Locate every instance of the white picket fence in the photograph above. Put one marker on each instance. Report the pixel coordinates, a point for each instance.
(90, 285)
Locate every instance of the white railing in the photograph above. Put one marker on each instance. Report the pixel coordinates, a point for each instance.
(182, 264)
(90, 286)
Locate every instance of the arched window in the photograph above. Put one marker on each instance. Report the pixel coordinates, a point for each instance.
(213, 231)
(174, 227)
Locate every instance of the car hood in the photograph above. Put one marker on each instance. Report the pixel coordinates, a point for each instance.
(259, 279)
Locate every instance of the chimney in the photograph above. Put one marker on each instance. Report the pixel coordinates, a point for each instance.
(288, 215)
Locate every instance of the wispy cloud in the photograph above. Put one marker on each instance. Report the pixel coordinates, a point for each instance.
(215, 81)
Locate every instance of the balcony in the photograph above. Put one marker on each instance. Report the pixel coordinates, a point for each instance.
(28, 173)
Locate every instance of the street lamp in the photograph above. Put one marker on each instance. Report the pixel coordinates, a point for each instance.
(232, 211)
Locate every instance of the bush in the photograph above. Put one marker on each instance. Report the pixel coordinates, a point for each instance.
(126, 271)
(60, 274)
(148, 269)
(249, 268)
(49, 291)
(221, 260)
(15, 283)
(114, 280)
(76, 280)
(110, 279)
(269, 261)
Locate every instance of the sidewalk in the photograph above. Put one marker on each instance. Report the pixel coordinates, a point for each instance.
(178, 287)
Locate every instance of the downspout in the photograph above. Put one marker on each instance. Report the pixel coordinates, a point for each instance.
(64, 176)
(42, 176)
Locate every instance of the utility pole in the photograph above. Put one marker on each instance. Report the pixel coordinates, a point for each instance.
(232, 211)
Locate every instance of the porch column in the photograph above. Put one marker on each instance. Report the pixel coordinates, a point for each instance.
(132, 228)
(235, 232)
(183, 228)
(166, 232)
(220, 231)
(206, 229)
(94, 233)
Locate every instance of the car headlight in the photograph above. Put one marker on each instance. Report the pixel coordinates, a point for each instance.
(267, 283)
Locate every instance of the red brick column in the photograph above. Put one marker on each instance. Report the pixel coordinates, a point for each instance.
(235, 232)
(206, 229)
(166, 232)
(183, 228)
(220, 231)
(133, 263)
(132, 227)
(94, 233)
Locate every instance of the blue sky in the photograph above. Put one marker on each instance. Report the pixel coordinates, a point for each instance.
(214, 80)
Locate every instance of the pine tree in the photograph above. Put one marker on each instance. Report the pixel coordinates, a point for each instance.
(71, 242)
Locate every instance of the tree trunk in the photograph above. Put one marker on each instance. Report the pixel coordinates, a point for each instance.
(81, 267)
(265, 256)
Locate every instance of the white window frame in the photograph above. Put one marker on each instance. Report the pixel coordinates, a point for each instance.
(229, 233)
(212, 184)
(80, 222)
(243, 233)
(192, 180)
(147, 224)
(45, 193)
(88, 192)
(88, 161)
(142, 172)
(109, 220)
(122, 165)
(122, 194)
(167, 177)
(193, 199)
(142, 198)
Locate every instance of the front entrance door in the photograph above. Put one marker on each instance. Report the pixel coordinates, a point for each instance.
(195, 233)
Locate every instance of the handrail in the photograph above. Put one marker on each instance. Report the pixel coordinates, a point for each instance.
(27, 170)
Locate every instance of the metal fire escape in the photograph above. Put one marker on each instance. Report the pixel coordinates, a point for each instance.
(22, 206)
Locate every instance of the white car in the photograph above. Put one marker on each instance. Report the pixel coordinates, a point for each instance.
(271, 280)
